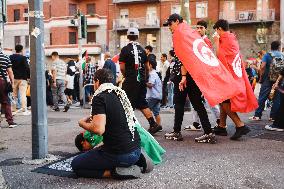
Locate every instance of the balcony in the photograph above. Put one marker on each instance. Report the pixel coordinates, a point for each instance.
(140, 23)
(134, 1)
(248, 16)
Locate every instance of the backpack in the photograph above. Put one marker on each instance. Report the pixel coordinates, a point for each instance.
(276, 65)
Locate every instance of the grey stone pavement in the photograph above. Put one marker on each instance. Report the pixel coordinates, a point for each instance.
(256, 161)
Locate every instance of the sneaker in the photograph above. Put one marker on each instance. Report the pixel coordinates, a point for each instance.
(26, 113)
(273, 128)
(12, 125)
(220, 131)
(174, 136)
(66, 108)
(155, 128)
(254, 118)
(145, 163)
(239, 132)
(206, 138)
(194, 127)
(56, 109)
(121, 173)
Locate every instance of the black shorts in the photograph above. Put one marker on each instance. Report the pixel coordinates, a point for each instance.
(68, 92)
(136, 93)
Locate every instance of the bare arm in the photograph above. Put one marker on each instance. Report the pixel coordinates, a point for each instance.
(10, 74)
(97, 125)
(262, 68)
(149, 85)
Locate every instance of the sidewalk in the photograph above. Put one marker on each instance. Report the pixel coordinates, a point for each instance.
(257, 161)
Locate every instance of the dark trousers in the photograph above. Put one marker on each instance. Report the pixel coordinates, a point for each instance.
(164, 94)
(94, 163)
(5, 104)
(194, 95)
(279, 119)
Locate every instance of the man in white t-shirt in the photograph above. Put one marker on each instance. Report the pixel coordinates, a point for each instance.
(58, 71)
(163, 69)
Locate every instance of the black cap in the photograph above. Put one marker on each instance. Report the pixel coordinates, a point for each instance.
(173, 18)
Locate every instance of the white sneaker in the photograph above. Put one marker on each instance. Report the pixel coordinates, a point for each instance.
(12, 125)
(271, 128)
(26, 113)
(17, 111)
(254, 118)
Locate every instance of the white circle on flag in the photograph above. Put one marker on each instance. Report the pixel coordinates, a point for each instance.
(204, 53)
(237, 65)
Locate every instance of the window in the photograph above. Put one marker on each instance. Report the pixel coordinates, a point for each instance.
(17, 40)
(91, 8)
(50, 39)
(151, 16)
(26, 18)
(176, 9)
(91, 37)
(27, 41)
(16, 15)
(201, 9)
(72, 38)
(72, 9)
(152, 40)
(123, 21)
(123, 41)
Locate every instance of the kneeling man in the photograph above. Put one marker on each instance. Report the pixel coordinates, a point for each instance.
(121, 142)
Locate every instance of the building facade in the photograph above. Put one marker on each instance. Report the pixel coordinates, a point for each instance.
(60, 34)
(256, 23)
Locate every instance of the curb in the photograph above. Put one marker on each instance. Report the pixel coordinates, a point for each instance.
(3, 184)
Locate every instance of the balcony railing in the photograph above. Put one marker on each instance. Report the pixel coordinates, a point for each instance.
(133, 1)
(141, 23)
(248, 16)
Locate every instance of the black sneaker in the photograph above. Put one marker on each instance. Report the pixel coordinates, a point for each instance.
(56, 109)
(66, 108)
(122, 173)
(240, 131)
(154, 128)
(220, 131)
(174, 136)
(206, 138)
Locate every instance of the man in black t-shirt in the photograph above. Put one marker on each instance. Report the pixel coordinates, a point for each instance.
(121, 146)
(133, 60)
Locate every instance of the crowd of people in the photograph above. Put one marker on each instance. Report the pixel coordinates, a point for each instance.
(112, 137)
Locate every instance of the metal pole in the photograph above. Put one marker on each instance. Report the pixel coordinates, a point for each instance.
(38, 86)
(80, 53)
(282, 23)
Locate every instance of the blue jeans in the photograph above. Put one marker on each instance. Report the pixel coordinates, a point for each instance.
(263, 96)
(154, 105)
(94, 163)
(279, 119)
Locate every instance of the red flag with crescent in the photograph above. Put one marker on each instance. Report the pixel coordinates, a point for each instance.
(229, 55)
(211, 76)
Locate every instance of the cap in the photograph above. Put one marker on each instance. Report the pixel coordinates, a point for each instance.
(132, 31)
(173, 18)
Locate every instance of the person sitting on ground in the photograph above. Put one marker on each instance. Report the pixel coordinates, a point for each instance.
(87, 140)
(112, 118)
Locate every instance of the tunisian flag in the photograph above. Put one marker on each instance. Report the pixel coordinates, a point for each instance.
(229, 55)
(211, 76)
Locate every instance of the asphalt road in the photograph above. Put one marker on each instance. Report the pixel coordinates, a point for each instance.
(256, 161)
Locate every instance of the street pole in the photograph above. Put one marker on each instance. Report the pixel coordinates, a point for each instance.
(38, 86)
(282, 23)
(80, 53)
(2, 13)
